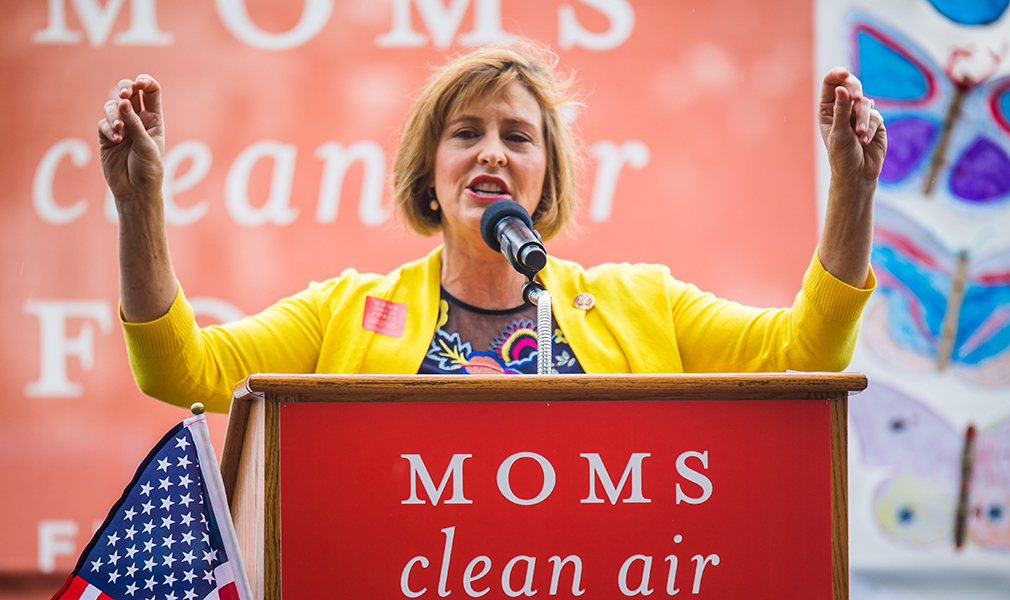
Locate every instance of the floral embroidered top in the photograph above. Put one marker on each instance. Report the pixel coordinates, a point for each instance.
(471, 340)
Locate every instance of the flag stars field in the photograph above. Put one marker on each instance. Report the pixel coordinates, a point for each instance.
(168, 526)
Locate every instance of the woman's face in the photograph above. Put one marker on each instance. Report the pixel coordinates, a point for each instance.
(491, 149)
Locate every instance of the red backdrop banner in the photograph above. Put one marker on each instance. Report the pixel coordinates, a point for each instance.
(282, 121)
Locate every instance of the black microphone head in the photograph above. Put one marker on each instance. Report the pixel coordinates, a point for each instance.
(494, 213)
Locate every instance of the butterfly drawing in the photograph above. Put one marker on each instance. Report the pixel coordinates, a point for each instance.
(947, 133)
(941, 485)
(971, 12)
(938, 308)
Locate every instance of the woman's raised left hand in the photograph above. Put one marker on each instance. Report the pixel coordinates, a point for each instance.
(852, 130)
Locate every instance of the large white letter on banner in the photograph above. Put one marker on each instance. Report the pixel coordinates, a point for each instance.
(42, 185)
(598, 470)
(235, 18)
(610, 160)
(336, 160)
(200, 155)
(571, 33)
(694, 477)
(98, 20)
(56, 538)
(576, 576)
(506, 577)
(442, 23)
(550, 479)
(236, 186)
(643, 586)
(418, 470)
(55, 346)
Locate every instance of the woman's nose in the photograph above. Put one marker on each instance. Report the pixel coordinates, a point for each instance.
(492, 152)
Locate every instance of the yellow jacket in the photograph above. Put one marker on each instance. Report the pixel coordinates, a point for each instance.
(643, 321)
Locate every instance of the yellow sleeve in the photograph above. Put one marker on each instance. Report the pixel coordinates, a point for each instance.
(175, 361)
(818, 333)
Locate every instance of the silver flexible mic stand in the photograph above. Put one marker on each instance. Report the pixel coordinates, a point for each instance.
(536, 294)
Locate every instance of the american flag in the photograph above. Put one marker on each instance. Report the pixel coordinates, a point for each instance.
(170, 536)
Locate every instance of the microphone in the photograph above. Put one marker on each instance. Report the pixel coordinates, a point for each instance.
(507, 228)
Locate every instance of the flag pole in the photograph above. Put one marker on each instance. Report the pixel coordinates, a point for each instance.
(218, 498)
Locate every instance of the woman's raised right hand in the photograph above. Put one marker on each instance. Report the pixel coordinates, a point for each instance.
(132, 140)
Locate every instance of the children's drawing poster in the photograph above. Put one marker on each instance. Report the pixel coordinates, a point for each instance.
(929, 475)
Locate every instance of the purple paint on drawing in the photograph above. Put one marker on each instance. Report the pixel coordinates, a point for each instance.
(982, 173)
(908, 139)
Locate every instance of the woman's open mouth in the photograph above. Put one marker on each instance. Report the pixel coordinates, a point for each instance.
(486, 187)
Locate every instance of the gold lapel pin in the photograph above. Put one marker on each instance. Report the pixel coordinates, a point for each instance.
(585, 301)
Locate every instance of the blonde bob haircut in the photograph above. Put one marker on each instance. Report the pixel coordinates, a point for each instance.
(487, 72)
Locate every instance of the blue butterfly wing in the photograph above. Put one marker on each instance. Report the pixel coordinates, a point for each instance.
(914, 271)
(888, 71)
(984, 321)
(971, 12)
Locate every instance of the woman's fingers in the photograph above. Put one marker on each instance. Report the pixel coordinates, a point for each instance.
(151, 91)
(832, 80)
(106, 135)
(113, 120)
(131, 120)
(125, 88)
(131, 99)
(858, 108)
(843, 112)
(862, 109)
(144, 93)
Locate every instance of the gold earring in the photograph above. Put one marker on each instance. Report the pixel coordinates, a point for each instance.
(433, 205)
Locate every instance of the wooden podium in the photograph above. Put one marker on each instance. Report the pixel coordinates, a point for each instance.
(337, 474)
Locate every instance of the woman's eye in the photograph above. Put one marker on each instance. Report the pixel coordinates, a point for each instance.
(465, 134)
(518, 138)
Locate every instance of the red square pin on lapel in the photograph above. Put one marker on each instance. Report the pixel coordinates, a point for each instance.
(384, 316)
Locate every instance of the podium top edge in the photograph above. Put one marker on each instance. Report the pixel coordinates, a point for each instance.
(573, 387)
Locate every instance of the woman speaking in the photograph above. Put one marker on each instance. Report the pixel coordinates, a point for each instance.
(486, 126)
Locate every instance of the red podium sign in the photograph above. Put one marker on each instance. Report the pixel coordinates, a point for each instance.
(593, 499)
